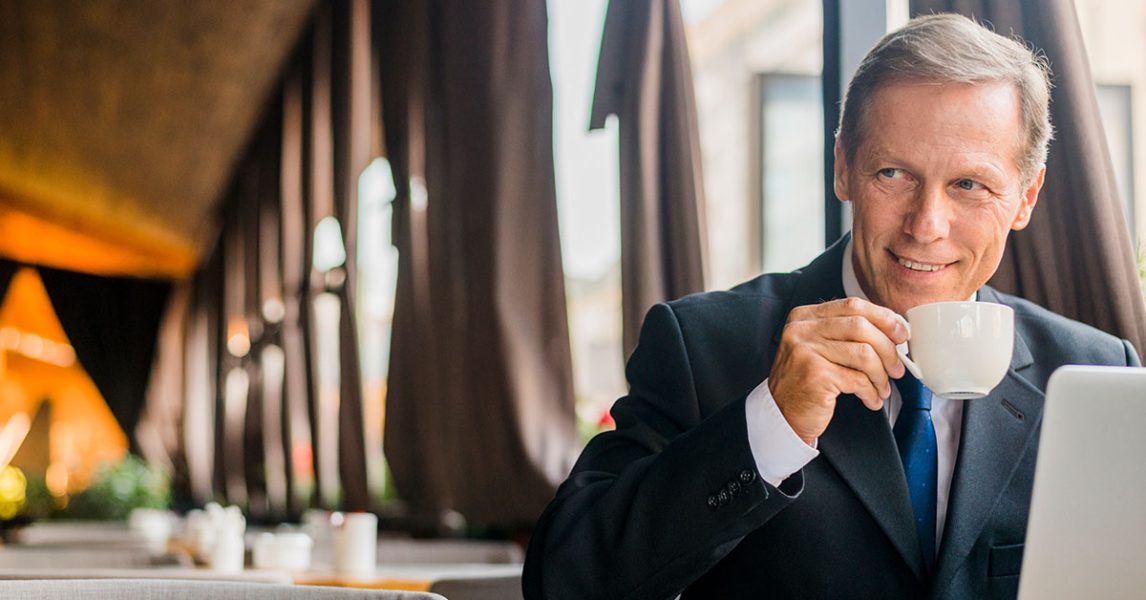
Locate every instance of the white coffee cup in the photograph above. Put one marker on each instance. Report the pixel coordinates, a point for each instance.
(959, 350)
(356, 545)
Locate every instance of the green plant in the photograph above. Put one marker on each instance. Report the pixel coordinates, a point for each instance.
(117, 489)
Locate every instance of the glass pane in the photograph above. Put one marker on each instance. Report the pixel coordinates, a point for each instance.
(588, 211)
(1112, 31)
(732, 42)
(1114, 104)
(792, 146)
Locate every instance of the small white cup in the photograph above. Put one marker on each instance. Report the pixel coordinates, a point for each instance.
(287, 551)
(959, 350)
(356, 545)
(152, 525)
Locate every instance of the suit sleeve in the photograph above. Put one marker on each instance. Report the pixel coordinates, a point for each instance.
(653, 505)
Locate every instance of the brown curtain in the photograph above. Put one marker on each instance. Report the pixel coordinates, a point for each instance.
(644, 77)
(1075, 258)
(482, 422)
(161, 427)
(112, 323)
(401, 32)
(257, 438)
(296, 298)
(200, 389)
(354, 147)
(159, 430)
(268, 352)
(322, 156)
(232, 458)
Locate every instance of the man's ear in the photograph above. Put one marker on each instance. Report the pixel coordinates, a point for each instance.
(841, 172)
(1029, 199)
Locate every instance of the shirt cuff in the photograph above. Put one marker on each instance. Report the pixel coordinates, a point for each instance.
(776, 448)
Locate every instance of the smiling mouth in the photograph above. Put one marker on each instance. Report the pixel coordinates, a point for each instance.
(919, 266)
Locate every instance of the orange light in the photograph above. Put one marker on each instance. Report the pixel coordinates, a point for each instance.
(238, 337)
(56, 478)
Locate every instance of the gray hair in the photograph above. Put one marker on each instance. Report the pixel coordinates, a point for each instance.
(952, 48)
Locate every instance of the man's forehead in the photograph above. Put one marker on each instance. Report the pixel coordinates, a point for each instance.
(982, 109)
(902, 114)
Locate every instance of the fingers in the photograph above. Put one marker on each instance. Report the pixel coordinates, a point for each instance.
(864, 359)
(839, 347)
(859, 384)
(885, 320)
(853, 329)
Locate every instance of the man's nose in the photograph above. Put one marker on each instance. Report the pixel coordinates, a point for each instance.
(930, 216)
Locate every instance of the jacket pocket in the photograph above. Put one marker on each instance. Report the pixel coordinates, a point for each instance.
(1005, 560)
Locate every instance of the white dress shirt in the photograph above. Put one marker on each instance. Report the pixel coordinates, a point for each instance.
(779, 452)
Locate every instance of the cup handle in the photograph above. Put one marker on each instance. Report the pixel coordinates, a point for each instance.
(901, 349)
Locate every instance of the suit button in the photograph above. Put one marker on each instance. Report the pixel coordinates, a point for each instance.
(747, 476)
(712, 502)
(733, 487)
(723, 497)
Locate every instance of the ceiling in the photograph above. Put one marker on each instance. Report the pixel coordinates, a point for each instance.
(120, 122)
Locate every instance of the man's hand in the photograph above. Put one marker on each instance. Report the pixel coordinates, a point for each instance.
(839, 347)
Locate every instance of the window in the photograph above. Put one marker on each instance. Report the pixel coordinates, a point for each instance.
(1114, 103)
(1112, 32)
(747, 120)
(791, 168)
(588, 210)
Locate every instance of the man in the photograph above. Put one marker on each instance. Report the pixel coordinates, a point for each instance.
(756, 454)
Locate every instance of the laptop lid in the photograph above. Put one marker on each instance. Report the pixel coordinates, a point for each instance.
(1086, 537)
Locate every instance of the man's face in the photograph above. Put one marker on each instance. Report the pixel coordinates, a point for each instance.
(935, 188)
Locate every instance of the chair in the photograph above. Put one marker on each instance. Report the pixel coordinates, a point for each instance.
(163, 589)
(504, 587)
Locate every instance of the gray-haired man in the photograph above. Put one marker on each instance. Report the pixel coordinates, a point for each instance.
(755, 454)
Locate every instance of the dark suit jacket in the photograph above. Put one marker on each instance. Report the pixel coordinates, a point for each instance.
(670, 502)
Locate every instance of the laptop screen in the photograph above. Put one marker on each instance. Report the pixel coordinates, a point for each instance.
(1086, 537)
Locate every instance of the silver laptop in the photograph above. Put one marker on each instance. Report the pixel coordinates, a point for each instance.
(1087, 532)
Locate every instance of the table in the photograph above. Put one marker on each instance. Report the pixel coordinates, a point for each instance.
(455, 581)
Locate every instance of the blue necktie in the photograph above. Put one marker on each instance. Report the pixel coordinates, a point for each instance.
(915, 436)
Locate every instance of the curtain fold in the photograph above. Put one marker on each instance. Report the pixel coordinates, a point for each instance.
(644, 78)
(1093, 278)
(400, 36)
(484, 423)
(269, 351)
(201, 386)
(112, 323)
(296, 299)
(351, 106)
(160, 429)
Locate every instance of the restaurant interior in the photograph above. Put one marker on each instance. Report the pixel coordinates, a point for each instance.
(314, 294)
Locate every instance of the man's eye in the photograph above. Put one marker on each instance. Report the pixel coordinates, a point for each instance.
(888, 172)
(969, 185)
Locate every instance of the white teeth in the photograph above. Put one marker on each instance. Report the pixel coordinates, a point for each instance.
(914, 266)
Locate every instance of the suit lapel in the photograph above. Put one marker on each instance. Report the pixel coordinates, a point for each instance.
(858, 442)
(996, 433)
(859, 445)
